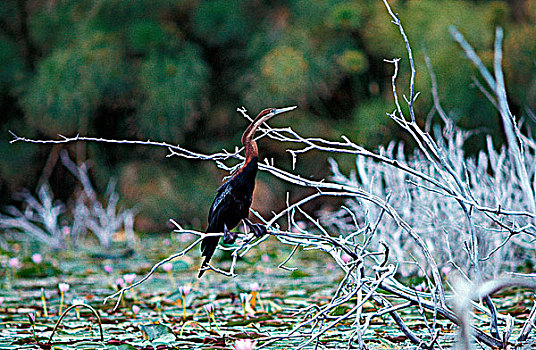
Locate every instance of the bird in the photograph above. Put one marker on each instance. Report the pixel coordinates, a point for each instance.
(234, 197)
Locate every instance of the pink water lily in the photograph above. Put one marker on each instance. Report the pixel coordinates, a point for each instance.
(244, 344)
(129, 277)
(185, 290)
(346, 258)
(421, 287)
(14, 263)
(209, 308)
(120, 282)
(37, 258)
(299, 227)
(167, 267)
(63, 287)
(254, 287)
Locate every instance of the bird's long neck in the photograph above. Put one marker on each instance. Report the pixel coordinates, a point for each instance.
(252, 151)
(249, 143)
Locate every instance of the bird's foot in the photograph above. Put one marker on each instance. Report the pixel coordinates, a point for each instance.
(228, 236)
(258, 230)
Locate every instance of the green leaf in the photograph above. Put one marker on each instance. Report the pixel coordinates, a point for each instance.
(157, 332)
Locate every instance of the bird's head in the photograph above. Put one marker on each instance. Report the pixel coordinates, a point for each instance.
(268, 113)
(264, 115)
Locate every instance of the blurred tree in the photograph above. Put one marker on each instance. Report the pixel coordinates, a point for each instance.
(220, 22)
(71, 83)
(520, 64)
(176, 71)
(172, 89)
(454, 72)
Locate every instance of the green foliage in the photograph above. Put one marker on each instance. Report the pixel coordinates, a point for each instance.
(176, 71)
(347, 15)
(454, 72)
(162, 192)
(219, 22)
(113, 15)
(11, 64)
(295, 67)
(520, 64)
(283, 69)
(15, 161)
(71, 83)
(147, 35)
(172, 87)
(353, 61)
(369, 125)
(55, 26)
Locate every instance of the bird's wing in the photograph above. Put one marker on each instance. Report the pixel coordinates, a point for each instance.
(223, 192)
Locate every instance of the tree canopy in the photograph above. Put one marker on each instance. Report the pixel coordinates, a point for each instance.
(175, 71)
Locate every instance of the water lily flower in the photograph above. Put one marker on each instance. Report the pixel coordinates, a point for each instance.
(31, 318)
(346, 258)
(119, 282)
(129, 278)
(108, 269)
(78, 301)
(37, 258)
(254, 287)
(244, 344)
(184, 291)
(209, 308)
(244, 298)
(135, 309)
(445, 270)
(421, 287)
(14, 263)
(265, 258)
(168, 267)
(63, 287)
(185, 237)
(299, 227)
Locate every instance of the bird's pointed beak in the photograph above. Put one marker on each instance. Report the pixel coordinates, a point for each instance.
(283, 110)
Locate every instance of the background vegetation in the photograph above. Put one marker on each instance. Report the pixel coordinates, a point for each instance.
(176, 71)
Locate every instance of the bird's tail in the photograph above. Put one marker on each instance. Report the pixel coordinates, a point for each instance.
(208, 247)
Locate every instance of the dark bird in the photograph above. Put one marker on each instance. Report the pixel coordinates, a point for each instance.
(233, 198)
